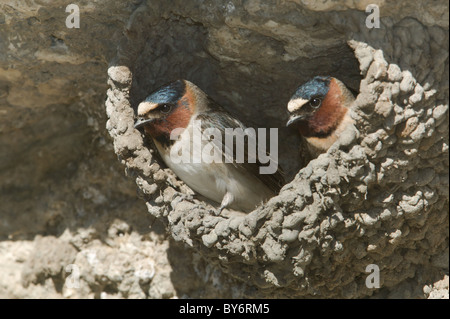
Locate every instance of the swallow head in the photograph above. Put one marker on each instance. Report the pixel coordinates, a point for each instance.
(319, 106)
(168, 108)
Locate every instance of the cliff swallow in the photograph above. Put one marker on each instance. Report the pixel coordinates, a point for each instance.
(179, 107)
(319, 108)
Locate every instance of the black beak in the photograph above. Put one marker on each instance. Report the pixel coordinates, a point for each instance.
(141, 122)
(295, 118)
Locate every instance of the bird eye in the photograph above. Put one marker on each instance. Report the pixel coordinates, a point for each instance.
(166, 108)
(315, 102)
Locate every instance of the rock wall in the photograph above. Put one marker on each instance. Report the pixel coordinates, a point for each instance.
(379, 196)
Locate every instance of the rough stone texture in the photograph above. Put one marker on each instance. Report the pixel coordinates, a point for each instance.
(379, 196)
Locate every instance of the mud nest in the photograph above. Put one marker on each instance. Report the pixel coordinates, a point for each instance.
(378, 196)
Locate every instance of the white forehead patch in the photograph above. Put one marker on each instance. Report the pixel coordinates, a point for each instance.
(146, 107)
(295, 105)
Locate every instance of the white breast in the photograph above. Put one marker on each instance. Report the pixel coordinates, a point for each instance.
(214, 180)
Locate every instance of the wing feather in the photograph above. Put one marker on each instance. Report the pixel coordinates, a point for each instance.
(219, 119)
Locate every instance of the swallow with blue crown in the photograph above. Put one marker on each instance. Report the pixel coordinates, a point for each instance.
(233, 184)
(319, 109)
